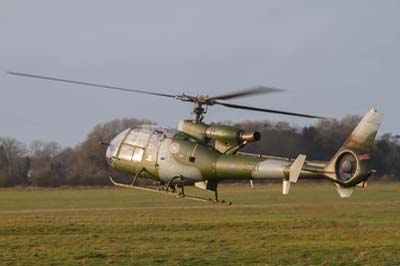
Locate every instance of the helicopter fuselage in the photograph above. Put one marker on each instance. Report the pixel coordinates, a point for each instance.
(198, 153)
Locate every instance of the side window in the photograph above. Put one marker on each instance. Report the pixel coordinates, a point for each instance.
(126, 152)
(152, 148)
(138, 155)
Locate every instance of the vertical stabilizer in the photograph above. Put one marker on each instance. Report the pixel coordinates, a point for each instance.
(351, 164)
(362, 138)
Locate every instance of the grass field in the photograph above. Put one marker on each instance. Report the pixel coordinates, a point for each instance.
(109, 226)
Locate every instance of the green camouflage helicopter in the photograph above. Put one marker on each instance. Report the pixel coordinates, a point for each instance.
(204, 155)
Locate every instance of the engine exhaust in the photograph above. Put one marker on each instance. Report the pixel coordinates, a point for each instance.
(250, 136)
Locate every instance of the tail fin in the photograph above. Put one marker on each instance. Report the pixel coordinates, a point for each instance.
(351, 164)
(363, 136)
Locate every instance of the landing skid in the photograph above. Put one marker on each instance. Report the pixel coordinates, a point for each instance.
(170, 193)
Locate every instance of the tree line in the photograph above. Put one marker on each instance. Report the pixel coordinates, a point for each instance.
(46, 164)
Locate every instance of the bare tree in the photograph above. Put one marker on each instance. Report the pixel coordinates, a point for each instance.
(12, 160)
(44, 149)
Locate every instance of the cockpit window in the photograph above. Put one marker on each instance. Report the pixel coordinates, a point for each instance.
(138, 155)
(126, 152)
(129, 153)
(114, 144)
(138, 137)
(130, 144)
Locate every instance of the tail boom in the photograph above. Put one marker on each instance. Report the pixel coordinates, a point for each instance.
(349, 167)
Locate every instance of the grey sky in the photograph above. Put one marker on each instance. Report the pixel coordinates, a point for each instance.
(333, 57)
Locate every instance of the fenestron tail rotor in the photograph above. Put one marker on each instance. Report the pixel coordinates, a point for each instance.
(198, 101)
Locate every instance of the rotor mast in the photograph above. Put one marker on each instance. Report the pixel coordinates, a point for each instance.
(198, 112)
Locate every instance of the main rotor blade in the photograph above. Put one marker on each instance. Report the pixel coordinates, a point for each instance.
(90, 84)
(267, 110)
(246, 92)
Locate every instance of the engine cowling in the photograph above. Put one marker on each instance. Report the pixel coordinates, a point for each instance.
(226, 139)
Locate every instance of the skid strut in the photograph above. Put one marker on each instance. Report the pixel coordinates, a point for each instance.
(180, 194)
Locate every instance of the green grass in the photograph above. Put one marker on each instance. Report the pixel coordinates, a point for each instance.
(311, 226)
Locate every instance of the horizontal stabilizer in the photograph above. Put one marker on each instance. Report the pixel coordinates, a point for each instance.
(294, 173)
(344, 192)
(285, 186)
(295, 168)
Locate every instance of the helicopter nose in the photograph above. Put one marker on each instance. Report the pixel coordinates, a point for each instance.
(112, 148)
(109, 155)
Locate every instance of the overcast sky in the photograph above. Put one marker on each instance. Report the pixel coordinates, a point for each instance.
(334, 58)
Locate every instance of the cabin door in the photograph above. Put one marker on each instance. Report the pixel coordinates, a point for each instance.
(151, 154)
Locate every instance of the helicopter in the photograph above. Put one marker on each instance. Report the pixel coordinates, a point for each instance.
(203, 155)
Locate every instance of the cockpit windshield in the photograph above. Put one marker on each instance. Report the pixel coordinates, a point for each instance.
(138, 137)
(114, 144)
(129, 145)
